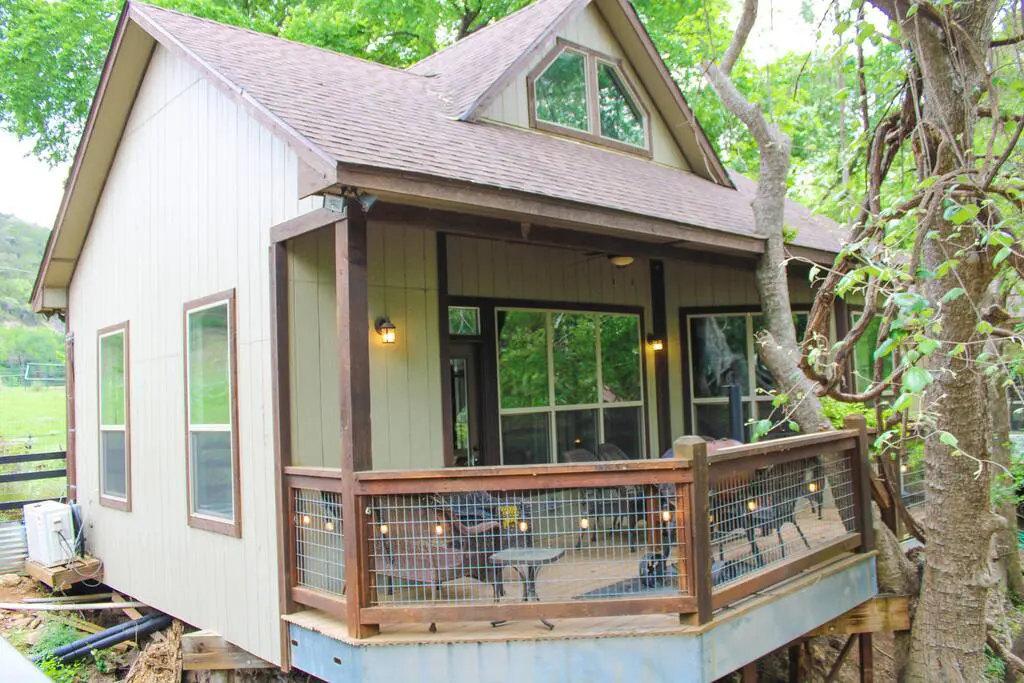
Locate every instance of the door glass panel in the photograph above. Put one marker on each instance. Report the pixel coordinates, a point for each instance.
(576, 429)
(526, 439)
(575, 356)
(620, 358)
(460, 408)
(764, 376)
(719, 348)
(622, 428)
(523, 359)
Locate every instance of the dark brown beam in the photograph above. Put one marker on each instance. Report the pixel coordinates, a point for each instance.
(354, 386)
(561, 238)
(307, 222)
(659, 327)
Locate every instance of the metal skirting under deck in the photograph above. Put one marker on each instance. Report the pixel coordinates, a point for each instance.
(629, 651)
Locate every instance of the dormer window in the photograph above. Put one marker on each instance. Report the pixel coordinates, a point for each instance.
(584, 94)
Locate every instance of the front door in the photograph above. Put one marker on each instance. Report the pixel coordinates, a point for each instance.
(464, 368)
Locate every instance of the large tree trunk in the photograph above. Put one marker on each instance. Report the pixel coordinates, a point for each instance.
(948, 635)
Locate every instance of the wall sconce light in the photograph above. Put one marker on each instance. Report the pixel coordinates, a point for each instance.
(620, 261)
(656, 343)
(386, 329)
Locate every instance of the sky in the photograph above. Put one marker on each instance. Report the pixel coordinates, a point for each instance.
(31, 190)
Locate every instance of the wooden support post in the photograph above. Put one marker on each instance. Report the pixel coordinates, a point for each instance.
(867, 658)
(281, 401)
(354, 383)
(882, 613)
(694, 450)
(860, 475)
(834, 671)
(794, 663)
(659, 326)
(748, 674)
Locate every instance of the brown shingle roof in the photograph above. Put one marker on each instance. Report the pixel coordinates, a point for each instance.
(369, 115)
(464, 71)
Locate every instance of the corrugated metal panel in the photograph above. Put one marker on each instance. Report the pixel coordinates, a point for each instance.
(13, 548)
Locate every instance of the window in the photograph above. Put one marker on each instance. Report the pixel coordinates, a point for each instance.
(568, 380)
(464, 321)
(114, 432)
(210, 390)
(723, 352)
(581, 93)
(864, 354)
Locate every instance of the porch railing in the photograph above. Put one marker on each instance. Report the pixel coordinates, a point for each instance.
(685, 535)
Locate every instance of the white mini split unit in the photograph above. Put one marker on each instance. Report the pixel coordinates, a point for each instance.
(50, 532)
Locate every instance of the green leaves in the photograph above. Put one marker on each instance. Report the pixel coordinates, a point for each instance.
(916, 379)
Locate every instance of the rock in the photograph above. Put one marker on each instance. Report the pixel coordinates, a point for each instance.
(10, 580)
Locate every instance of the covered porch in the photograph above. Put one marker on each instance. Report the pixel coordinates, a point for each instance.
(499, 456)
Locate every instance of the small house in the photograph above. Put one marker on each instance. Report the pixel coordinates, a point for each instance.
(372, 367)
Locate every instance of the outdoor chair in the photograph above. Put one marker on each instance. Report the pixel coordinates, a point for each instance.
(431, 540)
(622, 506)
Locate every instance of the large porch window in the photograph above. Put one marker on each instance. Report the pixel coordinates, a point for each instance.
(722, 352)
(568, 380)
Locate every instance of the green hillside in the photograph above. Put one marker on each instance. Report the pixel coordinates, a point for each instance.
(24, 336)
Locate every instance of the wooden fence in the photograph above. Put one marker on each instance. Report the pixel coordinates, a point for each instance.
(32, 475)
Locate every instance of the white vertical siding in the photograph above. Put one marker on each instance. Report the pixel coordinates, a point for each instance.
(185, 213)
(589, 29)
(502, 270)
(405, 377)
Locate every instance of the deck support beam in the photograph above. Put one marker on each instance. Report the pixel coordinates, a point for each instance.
(354, 385)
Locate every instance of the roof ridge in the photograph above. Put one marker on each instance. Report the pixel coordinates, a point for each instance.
(335, 53)
(483, 29)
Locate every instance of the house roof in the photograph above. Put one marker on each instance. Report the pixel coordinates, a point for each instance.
(350, 118)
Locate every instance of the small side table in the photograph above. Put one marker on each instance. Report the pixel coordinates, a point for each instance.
(527, 562)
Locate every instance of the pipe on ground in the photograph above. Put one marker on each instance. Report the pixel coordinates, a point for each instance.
(103, 639)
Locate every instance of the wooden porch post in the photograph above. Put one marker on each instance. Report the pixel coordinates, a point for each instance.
(354, 384)
(659, 325)
(695, 450)
(860, 476)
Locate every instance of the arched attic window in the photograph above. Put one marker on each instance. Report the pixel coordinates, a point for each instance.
(581, 93)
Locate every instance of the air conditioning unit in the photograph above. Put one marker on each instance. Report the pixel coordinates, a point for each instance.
(50, 533)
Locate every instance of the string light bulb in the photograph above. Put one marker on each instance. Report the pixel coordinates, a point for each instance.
(903, 468)
(524, 526)
(329, 526)
(383, 529)
(305, 520)
(751, 505)
(584, 523)
(812, 487)
(666, 515)
(439, 529)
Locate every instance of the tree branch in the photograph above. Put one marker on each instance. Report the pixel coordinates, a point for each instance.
(1012, 40)
(739, 39)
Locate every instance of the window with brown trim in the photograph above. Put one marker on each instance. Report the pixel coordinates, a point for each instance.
(581, 93)
(722, 352)
(211, 414)
(113, 417)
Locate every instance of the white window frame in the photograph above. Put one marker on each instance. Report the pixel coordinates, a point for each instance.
(552, 408)
(232, 527)
(107, 500)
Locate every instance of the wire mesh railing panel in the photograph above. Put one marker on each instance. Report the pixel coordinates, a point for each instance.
(912, 484)
(551, 545)
(319, 553)
(765, 517)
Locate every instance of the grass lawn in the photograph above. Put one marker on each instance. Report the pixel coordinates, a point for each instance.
(32, 420)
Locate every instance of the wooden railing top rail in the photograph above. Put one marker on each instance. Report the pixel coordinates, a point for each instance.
(750, 457)
(524, 477)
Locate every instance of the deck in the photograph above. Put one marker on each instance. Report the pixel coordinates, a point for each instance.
(623, 648)
(724, 558)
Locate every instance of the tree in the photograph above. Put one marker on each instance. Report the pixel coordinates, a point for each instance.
(931, 258)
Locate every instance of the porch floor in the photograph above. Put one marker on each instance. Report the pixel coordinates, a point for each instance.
(737, 634)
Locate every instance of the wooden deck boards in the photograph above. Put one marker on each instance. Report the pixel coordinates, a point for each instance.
(565, 629)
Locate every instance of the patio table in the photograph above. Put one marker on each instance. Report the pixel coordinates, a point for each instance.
(527, 562)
